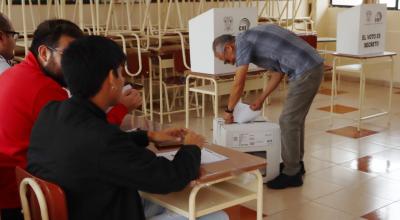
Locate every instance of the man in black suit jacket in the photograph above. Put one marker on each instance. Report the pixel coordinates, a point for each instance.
(100, 167)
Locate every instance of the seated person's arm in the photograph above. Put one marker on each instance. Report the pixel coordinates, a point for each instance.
(126, 165)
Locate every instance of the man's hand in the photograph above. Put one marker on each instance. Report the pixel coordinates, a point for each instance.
(192, 138)
(256, 105)
(162, 136)
(228, 117)
(131, 99)
(176, 132)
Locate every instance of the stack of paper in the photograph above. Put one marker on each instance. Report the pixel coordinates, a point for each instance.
(243, 113)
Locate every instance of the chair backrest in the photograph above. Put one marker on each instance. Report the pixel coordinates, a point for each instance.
(133, 62)
(178, 60)
(8, 185)
(41, 200)
(310, 39)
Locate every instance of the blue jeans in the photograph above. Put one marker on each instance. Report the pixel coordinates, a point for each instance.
(153, 211)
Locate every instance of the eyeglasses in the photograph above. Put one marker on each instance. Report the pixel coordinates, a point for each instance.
(14, 34)
(56, 50)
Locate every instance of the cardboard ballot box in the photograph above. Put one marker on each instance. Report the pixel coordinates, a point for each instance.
(361, 30)
(260, 138)
(203, 29)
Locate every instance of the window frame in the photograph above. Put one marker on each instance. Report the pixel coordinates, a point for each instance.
(396, 7)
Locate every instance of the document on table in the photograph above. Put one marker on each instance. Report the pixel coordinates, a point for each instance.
(207, 156)
(243, 113)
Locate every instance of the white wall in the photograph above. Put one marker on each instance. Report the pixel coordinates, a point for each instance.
(188, 11)
(326, 26)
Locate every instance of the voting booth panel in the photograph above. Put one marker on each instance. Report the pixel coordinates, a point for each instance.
(260, 138)
(204, 28)
(361, 30)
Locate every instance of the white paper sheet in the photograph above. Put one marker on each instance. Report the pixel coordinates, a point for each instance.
(207, 156)
(243, 113)
(126, 87)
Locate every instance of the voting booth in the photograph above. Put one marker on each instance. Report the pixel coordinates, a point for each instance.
(361, 30)
(260, 138)
(204, 28)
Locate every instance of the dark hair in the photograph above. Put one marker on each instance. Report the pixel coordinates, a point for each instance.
(50, 31)
(220, 42)
(87, 62)
(5, 24)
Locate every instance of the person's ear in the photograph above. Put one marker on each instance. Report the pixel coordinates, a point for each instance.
(44, 54)
(112, 80)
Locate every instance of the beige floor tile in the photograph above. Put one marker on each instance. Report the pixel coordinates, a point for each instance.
(391, 155)
(324, 139)
(312, 164)
(324, 123)
(361, 147)
(385, 139)
(352, 202)
(342, 176)
(278, 200)
(394, 175)
(390, 212)
(311, 211)
(381, 187)
(334, 155)
(314, 188)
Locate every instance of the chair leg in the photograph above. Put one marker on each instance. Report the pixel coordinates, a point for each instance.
(203, 97)
(197, 104)
(144, 103)
(176, 90)
(167, 102)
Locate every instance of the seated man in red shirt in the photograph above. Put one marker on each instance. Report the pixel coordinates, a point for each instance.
(25, 89)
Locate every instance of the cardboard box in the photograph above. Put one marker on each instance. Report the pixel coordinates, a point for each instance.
(361, 30)
(204, 28)
(258, 138)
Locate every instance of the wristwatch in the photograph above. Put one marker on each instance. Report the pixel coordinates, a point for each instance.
(227, 110)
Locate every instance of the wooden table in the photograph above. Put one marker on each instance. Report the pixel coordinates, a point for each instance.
(220, 185)
(220, 84)
(364, 59)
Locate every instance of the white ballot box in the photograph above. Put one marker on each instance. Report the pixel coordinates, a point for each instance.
(361, 30)
(260, 138)
(204, 28)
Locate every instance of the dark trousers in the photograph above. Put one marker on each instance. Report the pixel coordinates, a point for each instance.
(295, 109)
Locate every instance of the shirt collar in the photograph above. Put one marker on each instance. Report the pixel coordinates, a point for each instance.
(31, 60)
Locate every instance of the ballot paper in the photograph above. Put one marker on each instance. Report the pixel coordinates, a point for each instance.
(207, 156)
(243, 113)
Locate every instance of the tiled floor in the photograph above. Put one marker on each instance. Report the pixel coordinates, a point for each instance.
(347, 178)
(339, 109)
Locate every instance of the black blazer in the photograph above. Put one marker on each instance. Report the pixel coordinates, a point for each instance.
(100, 167)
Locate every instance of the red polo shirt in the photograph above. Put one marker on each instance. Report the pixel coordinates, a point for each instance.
(24, 91)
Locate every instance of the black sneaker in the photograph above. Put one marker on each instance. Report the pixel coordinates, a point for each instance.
(302, 169)
(283, 181)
